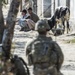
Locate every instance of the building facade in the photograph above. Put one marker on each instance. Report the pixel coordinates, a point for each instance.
(46, 8)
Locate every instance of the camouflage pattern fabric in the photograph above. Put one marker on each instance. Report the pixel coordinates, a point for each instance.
(45, 55)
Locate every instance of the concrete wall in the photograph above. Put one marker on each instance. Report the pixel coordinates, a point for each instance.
(72, 9)
(44, 8)
(62, 2)
(39, 8)
(9, 1)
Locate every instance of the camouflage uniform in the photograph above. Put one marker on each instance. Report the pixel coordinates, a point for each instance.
(44, 54)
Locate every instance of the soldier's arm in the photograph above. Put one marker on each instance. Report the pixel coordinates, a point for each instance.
(29, 55)
(28, 51)
(28, 46)
(60, 56)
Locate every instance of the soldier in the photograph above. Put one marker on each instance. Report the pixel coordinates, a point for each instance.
(43, 53)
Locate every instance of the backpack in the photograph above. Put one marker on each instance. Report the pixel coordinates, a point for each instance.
(40, 51)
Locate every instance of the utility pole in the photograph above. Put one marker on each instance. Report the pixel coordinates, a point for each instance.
(35, 6)
(68, 3)
(54, 5)
(58, 2)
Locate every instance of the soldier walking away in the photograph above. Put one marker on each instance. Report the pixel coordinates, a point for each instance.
(43, 53)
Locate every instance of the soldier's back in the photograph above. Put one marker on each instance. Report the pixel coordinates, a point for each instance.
(41, 55)
(40, 50)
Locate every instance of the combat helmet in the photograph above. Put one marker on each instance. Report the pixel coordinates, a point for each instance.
(42, 26)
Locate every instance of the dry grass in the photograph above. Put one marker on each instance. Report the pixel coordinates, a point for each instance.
(70, 41)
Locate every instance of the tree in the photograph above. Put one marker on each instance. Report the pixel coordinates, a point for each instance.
(10, 24)
(1, 21)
